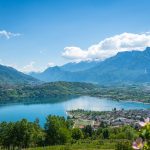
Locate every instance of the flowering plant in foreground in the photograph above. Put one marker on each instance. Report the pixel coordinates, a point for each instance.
(143, 142)
(138, 144)
(145, 122)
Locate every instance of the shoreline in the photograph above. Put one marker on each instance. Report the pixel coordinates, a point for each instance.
(3, 103)
(109, 98)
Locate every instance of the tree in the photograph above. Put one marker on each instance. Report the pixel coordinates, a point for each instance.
(54, 128)
(103, 125)
(88, 131)
(6, 134)
(77, 134)
(65, 135)
(105, 133)
(21, 134)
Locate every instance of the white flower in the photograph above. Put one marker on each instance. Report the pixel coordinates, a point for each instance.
(146, 121)
(138, 144)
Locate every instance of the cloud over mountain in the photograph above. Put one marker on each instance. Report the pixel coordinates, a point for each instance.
(109, 47)
(33, 67)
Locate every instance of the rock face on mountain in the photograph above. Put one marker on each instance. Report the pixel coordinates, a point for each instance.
(125, 67)
(10, 76)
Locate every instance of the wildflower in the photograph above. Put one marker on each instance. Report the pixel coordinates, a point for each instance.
(138, 144)
(146, 121)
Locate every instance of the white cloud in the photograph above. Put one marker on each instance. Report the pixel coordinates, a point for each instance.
(26, 69)
(8, 64)
(8, 35)
(109, 47)
(33, 67)
(29, 68)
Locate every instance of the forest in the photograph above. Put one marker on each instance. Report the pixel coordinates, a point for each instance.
(58, 133)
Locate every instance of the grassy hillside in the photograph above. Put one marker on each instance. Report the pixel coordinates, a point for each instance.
(66, 89)
(45, 90)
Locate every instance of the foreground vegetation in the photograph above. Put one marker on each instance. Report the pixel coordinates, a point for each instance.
(63, 89)
(87, 144)
(59, 133)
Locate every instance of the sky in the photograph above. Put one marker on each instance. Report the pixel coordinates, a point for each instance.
(35, 34)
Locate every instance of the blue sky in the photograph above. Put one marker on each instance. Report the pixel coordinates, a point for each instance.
(39, 30)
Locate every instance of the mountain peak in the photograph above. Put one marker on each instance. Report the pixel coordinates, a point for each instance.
(10, 76)
(54, 69)
(125, 67)
(147, 51)
(147, 48)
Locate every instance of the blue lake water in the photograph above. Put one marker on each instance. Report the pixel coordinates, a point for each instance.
(31, 111)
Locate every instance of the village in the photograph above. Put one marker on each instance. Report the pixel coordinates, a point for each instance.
(114, 118)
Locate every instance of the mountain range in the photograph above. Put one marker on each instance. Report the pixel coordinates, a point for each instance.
(79, 66)
(10, 76)
(130, 67)
(125, 67)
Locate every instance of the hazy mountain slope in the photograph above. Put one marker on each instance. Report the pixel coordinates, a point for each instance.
(125, 67)
(65, 72)
(80, 66)
(54, 74)
(133, 66)
(9, 75)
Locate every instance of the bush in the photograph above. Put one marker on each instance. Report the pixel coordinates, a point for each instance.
(77, 134)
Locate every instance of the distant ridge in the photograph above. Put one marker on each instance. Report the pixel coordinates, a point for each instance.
(10, 76)
(125, 67)
(79, 66)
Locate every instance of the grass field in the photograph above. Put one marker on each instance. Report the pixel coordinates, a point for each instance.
(83, 145)
(81, 122)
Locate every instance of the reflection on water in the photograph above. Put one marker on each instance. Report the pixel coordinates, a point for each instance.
(29, 101)
(58, 106)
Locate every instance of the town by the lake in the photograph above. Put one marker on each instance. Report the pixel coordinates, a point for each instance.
(114, 118)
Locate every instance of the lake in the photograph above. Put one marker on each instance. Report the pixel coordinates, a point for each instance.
(58, 106)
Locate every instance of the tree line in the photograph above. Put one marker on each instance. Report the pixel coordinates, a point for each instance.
(57, 131)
